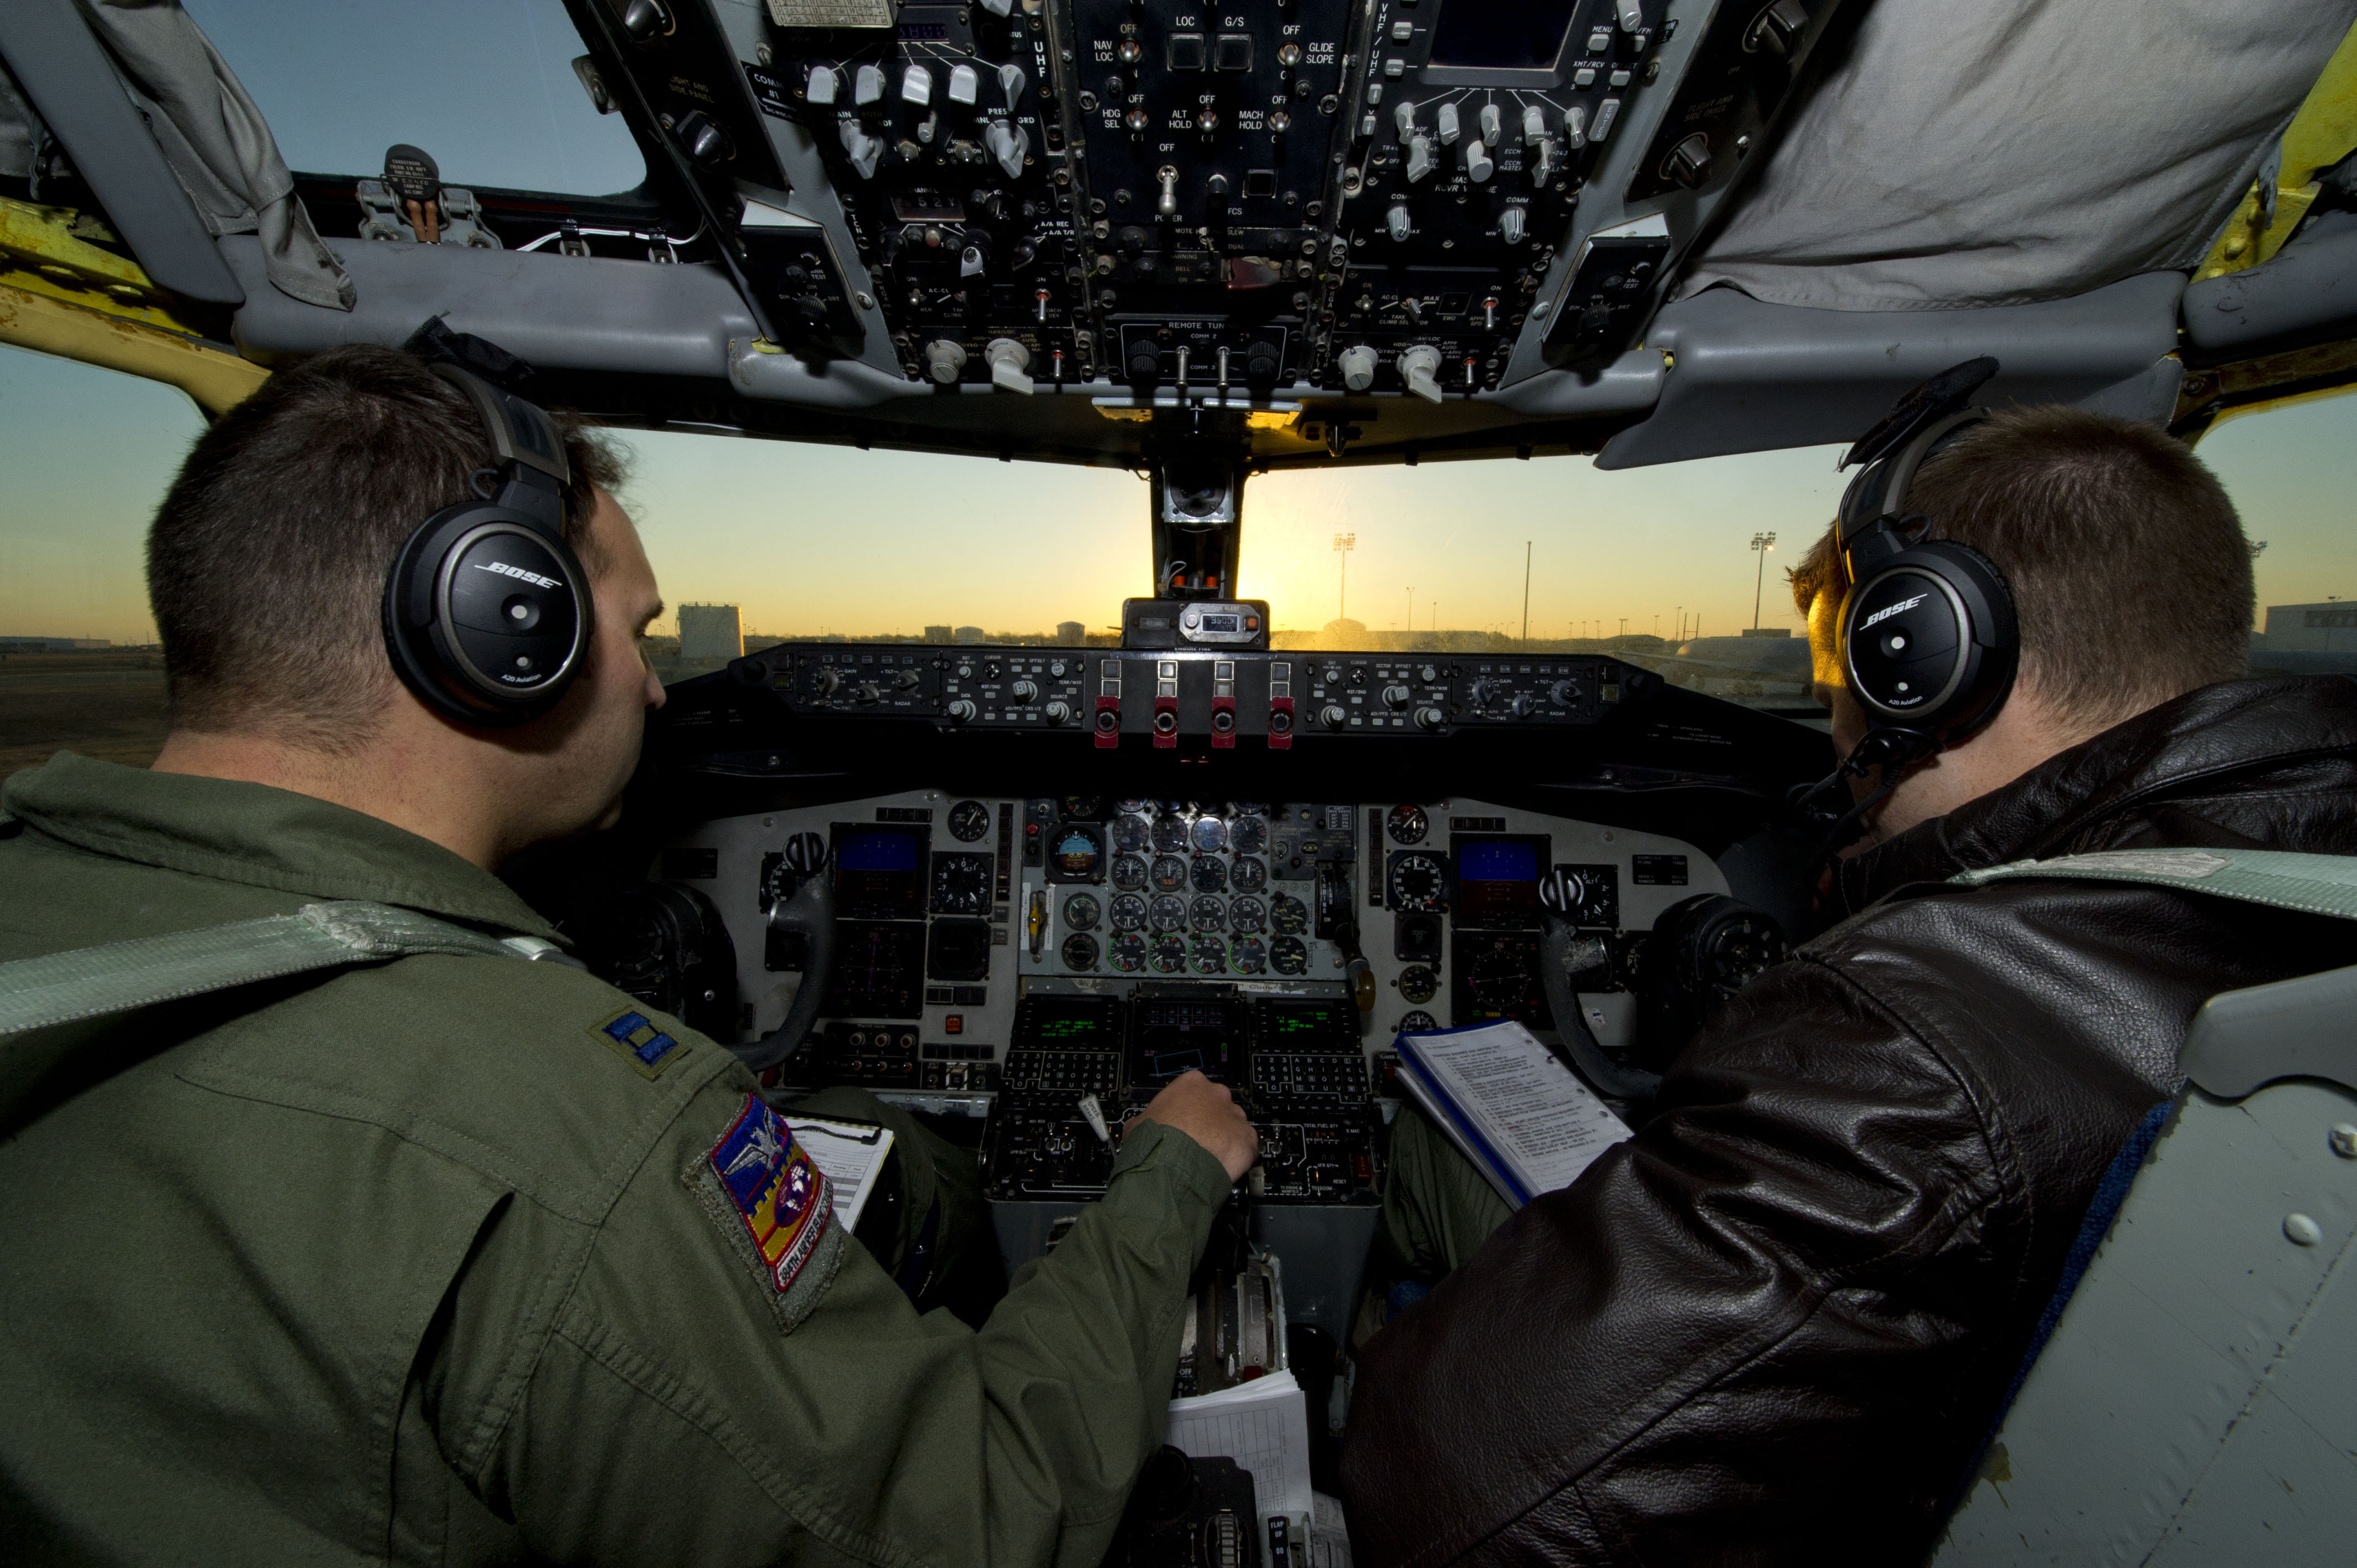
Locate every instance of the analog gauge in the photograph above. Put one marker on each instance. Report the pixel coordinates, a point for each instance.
(1248, 955)
(1247, 807)
(1169, 912)
(1082, 808)
(1248, 834)
(1169, 874)
(1136, 807)
(969, 820)
(1130, 834)
(1209, 835)
(1248, 915)
(1407, 824)
(1208, 955)
(1169, 955)
(1209, 875)
(1289, 915)
(1499, 979)
(1415, 1023)
(1418, 984)
(1126, 952)
(1129, 873)
(1417, 883)
(1077, 851)
(1289, 955)
(1080, 912)
(961, 882)
(1170, 835)
(779, 880)
(1249, 875)
(1206, 914)
(1080, 950)
(1128, 913)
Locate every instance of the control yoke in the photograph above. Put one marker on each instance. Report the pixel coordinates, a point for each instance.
(1562, 955)
(807, 912)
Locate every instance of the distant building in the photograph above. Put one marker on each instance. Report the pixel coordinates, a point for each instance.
(1767, 631)
(937, 634)
(1070, 632)
(2327, 627)
(710, 631)
(967, 634)
(52, 644)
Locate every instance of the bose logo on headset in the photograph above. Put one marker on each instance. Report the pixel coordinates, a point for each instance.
(1880, 615)
(504, 570)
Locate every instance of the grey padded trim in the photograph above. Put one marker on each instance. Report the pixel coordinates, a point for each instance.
(2307, 293)
(89, 983)
(2243, 1040)
(2312, 883)
(65, 73)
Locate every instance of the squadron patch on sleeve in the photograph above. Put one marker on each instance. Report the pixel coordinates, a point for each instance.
(639, 1043)
(774, 1208)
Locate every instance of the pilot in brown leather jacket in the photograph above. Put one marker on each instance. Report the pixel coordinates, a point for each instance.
(1776, 1324)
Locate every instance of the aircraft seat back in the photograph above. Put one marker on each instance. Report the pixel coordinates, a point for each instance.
(2197, 1400)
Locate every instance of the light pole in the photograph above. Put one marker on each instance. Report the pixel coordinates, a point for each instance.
(1344, 544)
(1411, 606)
(1760, 544)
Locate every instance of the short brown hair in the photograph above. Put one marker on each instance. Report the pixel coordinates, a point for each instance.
(2127, 562)
(267, 560)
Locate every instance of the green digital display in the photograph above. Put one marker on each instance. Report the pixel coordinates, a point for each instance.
(1067, 1028)
(1304, 1021)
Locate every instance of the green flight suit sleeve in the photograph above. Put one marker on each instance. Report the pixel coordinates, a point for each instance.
(670, 1415)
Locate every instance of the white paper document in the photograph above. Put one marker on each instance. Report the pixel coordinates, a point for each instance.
(1510, 1104)
(849, 1153)
(1264, 1426)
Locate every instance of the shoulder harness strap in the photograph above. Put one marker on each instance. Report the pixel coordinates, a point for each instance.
(2312, 883)
(89, 983)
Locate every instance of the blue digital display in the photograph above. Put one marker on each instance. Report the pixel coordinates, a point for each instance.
(876, 852)
(1498, 862)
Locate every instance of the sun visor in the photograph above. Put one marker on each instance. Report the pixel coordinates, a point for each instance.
(2006, 152)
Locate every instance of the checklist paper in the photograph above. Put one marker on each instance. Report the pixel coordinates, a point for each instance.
(1264, 1426)
(1510, 1104)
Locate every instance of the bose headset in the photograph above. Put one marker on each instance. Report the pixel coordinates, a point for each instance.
(486, 611)
(1928, 637)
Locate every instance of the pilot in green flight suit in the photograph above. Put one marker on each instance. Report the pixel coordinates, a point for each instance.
(456, 1258)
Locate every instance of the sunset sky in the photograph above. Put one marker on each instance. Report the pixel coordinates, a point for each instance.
(809, 539)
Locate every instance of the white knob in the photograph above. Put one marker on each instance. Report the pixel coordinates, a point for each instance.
(1008, 144)
(965, 84)
(1632, 15)
(917, 85)
(867, 84)
(1357, 364)
(1417, 367)
(1534, 125)
(945, 359)
(1420, 162)
(999, 8)
(823, 81)
(1492, 123)
(863, 149)
(1513, 225)
(1008, 361)
(1396, 220)
(972, 263)
(1479, 165)
(1404, 116)
(1445, 120)
(1574, 126)
(1542, 162)
(1010, 81)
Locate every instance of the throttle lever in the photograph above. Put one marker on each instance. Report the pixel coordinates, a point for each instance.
(807, 912)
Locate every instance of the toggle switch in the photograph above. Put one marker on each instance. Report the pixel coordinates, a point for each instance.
(1418, 368)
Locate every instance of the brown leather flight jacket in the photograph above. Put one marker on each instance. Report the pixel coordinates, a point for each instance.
(1774, 1326)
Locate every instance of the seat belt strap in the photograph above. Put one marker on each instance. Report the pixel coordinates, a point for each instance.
(2311, 884)
(91, 982)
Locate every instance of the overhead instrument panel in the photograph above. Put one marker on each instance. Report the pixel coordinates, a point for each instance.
(1257, 205)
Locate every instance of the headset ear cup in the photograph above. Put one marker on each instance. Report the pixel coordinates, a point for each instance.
(428, 649)
(1930, 641)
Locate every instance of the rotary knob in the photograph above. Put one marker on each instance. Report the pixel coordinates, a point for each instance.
(828, 682)
(867, 693)
(1332, 716)
(1428, 674)
(1566, 692)
(906, 681)
(961, 712)
(1430, 718)
(806, 854)
(1026, 690)
(1397, 696)
(1060, 711)
(1524, 704)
